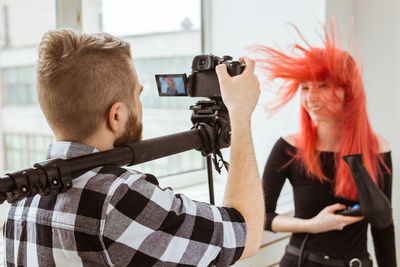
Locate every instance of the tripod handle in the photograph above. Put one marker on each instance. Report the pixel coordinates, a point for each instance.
(55, 176)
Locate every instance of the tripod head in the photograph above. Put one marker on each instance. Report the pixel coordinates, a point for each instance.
(211, 117)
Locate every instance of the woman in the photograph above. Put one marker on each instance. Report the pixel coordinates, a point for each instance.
(334, 123)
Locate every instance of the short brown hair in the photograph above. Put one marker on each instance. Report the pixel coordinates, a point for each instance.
(79, 77)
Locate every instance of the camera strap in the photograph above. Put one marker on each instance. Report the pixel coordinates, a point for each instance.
(219, 163)
(208, 135)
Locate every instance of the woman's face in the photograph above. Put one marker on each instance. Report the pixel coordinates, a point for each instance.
(320, 101)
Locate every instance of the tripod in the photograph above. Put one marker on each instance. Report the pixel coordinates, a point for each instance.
(211, 131)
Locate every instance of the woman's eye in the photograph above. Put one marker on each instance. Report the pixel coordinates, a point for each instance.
(304, 87)
(323, 85)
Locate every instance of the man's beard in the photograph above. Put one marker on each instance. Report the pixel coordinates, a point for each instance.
(132, 133)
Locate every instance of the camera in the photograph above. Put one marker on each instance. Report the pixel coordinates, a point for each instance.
(203, 81)
(210, 116)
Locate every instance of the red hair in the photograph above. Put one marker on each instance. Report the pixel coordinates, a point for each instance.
(340, 70)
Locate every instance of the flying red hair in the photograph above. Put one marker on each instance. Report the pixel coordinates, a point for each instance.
(338, 68)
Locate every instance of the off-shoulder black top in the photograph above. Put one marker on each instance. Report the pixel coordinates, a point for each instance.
(311, 196)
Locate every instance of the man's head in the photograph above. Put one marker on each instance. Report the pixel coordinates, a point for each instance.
(87, 87)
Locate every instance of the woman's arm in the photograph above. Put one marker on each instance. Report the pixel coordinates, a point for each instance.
(274, 177)
(326, 220)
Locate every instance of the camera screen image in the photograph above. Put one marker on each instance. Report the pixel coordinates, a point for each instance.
(171, 84)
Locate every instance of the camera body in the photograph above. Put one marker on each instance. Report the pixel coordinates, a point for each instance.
(203, 81)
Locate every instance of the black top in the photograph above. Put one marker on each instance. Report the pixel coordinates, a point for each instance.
(311, 196)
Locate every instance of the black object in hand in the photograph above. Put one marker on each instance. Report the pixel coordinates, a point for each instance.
(350, 211)
(375, 206)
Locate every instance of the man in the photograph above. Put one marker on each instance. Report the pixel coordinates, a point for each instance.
(89, 93)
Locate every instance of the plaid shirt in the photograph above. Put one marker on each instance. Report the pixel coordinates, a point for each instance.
(118, 217)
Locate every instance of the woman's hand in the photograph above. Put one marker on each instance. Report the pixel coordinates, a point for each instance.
(326, 220)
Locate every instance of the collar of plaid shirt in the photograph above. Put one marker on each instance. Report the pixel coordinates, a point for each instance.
(64, 149)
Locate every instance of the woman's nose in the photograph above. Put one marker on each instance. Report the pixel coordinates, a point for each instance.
(312, 93)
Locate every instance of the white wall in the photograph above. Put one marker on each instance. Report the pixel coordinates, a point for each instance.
(377, 35)
(236, 24)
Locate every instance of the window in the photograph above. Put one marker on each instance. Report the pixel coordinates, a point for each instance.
(19, 86)
(23, 150)
(162, 42)
(22, 25)
(167, 45)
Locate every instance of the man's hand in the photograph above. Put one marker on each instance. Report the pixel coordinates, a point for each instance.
(239, 93)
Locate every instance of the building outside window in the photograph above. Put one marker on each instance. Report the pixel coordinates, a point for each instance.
(19, 86)
(22, 150)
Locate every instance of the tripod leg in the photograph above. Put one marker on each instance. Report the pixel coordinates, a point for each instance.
(210, 180)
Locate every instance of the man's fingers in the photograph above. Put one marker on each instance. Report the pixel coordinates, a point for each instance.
(250, 64)
(257, 81)
(221, 71)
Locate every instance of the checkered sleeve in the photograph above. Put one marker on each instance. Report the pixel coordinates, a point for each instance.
(146, 225)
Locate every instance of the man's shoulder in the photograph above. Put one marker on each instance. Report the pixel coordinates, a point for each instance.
(114, 172)
(83, 205)
(106, 176)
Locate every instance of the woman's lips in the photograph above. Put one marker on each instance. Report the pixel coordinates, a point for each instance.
(315, 108)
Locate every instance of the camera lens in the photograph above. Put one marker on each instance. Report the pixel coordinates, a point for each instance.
(203, 62)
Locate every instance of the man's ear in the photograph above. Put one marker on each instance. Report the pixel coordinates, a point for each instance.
(115, 115)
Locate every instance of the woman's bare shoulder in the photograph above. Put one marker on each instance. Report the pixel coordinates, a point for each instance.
(383, 144)
(291, 139)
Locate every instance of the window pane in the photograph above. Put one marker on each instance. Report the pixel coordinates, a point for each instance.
(19, 86)
(23, 151)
